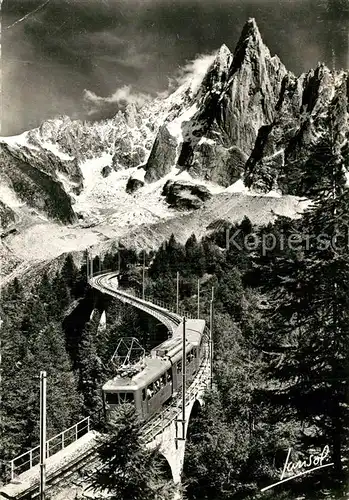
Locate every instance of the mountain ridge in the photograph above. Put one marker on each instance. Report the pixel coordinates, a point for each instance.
(246, 124)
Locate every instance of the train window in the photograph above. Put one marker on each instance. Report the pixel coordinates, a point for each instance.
(150, 391)
(163, 381)
(179, 366)
(169, 376)
(111, 398)
(144, 395)
(156, 386)
(126, 397)
(190, 357)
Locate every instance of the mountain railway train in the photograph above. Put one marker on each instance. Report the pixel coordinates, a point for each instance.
(161, 378)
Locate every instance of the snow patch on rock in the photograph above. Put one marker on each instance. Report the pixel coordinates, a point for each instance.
(139, 174)
(20, 140)
(238, 187)
(8, 196)
(175, 127)
(53, 148)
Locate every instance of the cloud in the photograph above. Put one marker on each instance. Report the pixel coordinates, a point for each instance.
(66, 46)
(108, 106)
(193, 71)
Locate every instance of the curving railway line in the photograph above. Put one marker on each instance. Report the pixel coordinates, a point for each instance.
(107, 283)
(83, 450)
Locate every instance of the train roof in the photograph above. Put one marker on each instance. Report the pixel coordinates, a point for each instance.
(194, 330)
(156, 365)
(153, 369)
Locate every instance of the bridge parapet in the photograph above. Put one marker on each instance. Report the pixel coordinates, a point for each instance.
(165, 428)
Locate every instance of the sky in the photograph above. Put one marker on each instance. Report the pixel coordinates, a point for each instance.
(87, 58)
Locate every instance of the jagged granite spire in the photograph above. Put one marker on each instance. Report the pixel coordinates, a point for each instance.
(217, 73)
(250, 45)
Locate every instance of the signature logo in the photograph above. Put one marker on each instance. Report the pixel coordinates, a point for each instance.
(292, 470)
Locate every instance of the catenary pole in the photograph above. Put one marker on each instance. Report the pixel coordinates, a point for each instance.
(143, 276)
(184, 377)
(87, 265)
(211, 344)
(42, 434)
(198, 299)
(177, 294)
(119, 260)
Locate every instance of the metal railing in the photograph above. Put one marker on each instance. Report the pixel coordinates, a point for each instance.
(158, 422)
(148, 298)
(164, 305)
(57, 443)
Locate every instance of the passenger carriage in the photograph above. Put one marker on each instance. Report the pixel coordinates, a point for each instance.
(161, 377)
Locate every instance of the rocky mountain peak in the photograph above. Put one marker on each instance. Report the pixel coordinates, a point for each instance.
(237, 96)
(223, 55)
(249, 32)
(247, 119)
(131, 115)
(223, 60)
(250, 44)
(217, 73)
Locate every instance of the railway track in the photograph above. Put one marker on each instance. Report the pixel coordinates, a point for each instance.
(154, 307)
(160, 310)
(156, 424)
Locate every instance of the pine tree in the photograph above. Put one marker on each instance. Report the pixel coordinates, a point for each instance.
(214, 257)
(62, 296)
(195, 257)
(169, 259)
(129, 469)
(163, 288)
(45, 289)
(69, 272)
(309, 319)
(230, 294)
(63, 399)
(90, 372)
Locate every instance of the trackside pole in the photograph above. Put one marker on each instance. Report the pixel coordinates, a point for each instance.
(211, 338)
(87, 266)
(42, 435)
(177, 301)
(119, 261)
(143, 276)
(184, 367)
(227, 239)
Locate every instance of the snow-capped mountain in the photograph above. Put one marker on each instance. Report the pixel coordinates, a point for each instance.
(44, 167)
(252, 118)
(247, 125)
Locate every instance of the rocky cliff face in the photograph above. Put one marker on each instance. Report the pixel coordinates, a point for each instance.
(33, 177)
(248, 119)
(44, 168)
(253, 118)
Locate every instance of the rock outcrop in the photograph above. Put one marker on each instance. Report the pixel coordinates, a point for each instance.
(247, 118)
(36, 183)
(251, 116)
(106, 171)
(162, 157)
(185, 195)
(133, 185)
